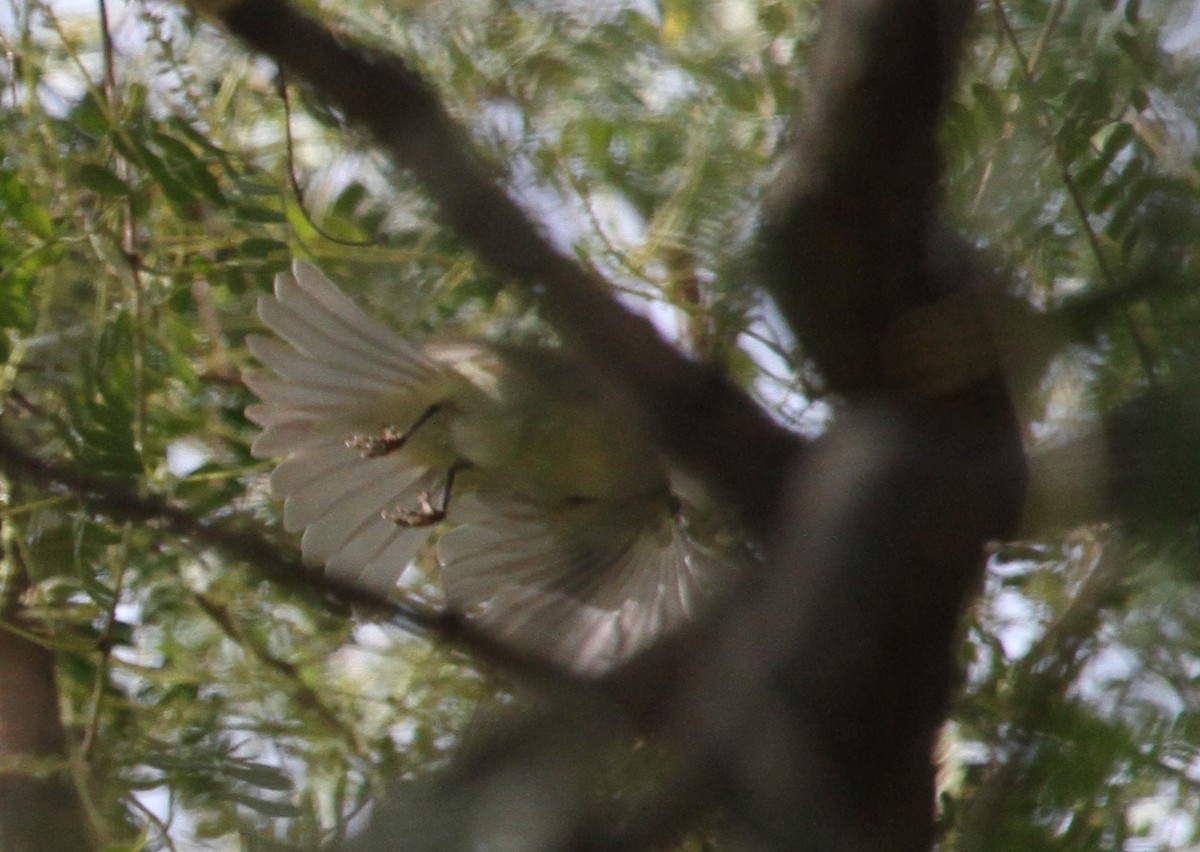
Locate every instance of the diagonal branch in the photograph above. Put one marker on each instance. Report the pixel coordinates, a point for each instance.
(246, 544)
(739, 452)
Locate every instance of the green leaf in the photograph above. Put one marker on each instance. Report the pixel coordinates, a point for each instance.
(349, 199)
(176, 192)
(102, 181)
(988, 102)
(101, 411)
(261, 247)
(233, 278)
(19, 203)
(189, 169)
(179, 124)
(181, 300)
(18, 274)
(267, 807)
(258, 214)
(1092, 172)
(88, 115)
(259, 775)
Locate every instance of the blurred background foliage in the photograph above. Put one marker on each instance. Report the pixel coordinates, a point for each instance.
(153, 178)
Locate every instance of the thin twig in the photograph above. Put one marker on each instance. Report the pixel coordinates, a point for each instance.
(305, 695)
(104, 643)
(289, 150)
(240, 541)
(129, 242)
(1107, 275)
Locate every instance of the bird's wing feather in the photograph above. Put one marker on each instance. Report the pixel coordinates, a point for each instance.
(312, 314)
(347, 529)
(589, 606)
(291, 365)
(333, 373)
(587, 584)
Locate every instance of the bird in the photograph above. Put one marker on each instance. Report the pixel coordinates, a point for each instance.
(557, 527)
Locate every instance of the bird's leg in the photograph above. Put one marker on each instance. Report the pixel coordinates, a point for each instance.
(426, 514)
(389, 438)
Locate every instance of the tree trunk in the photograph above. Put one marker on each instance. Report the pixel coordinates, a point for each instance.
(40, 811)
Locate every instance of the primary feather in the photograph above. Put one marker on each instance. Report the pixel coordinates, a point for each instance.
(561, 535)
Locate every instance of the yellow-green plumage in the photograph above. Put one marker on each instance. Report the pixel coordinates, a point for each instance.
(561, 535)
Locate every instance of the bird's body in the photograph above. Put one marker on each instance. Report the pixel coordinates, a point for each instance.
(562, 534)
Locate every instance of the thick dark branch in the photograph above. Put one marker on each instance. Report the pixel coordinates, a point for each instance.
(851, 225)
(702, 420)
(1153, 468)
(810, 704)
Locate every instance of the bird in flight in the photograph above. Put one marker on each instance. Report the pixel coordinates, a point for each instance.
(557, 528)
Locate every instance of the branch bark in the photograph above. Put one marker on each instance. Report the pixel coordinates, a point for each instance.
(852, 238)
(893, 508)
(40, 811)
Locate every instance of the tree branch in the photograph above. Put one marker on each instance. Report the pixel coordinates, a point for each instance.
(245, 544)
(808, 704)
(852, 239)
(39, 811)
(737, 451)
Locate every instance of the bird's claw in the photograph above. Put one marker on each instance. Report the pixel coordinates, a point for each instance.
(386, 440)
(424, 515)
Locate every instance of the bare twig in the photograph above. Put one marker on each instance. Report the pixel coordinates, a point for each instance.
(306, 696)
(244, 543)
(289, 142)
(129, 240)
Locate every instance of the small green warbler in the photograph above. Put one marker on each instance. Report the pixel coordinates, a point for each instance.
(558, 528)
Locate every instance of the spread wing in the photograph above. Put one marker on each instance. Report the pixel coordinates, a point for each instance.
(333, 373)
(588, 586)
(585, 583)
